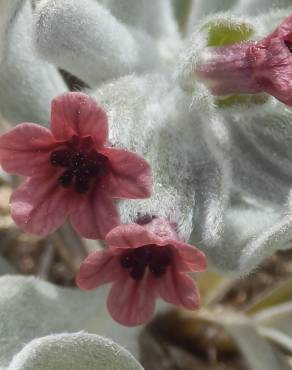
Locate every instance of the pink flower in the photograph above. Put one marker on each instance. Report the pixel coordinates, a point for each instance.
(143, 262)
(72, 171)
(253, 66)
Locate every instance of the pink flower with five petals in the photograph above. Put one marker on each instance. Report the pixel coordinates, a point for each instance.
(253, 66)
(143, 262)
(72, 171)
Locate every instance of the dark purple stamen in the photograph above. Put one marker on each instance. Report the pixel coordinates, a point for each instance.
(81, 184)
(82, 164)
(289, 45)
(60, 158)
(138, 259)
(65, 179)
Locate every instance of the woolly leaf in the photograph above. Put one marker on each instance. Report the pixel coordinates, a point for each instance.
(258, 219)
(202, 8)
(80, 351)
(84, 38)
(133, 102)
(8, 10)
(245, 219)
(261, 152)
(31, 308)
(156, 18)
(212, 181)
(150, 115)
(27, 84)
(277, 237)
(255, 7)
(182, 9)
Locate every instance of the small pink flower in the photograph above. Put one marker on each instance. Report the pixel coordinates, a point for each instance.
(72, 171)
(143, 262)
(253, 67)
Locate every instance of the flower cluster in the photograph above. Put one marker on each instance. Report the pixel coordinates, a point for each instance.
(146, 106)
(73, 171)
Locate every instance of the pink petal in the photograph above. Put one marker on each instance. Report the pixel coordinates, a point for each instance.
(284, 29)
(97, 269)
(130, 236)
(178, 289)
(25, 150)
(131, 175)
(95, 215)
(274, 71)
(132, 302)
(189, 258)
(39, 206)
(78, 114)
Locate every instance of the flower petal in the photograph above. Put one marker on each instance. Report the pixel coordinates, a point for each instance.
(130, 236)
(95, 215)
(275, 72)
(284, 29)
(97, 269)
(78, 114)
(39, 206)
(132, 302)
(131, 175)
(25, 150)
(178, 289)
(190, 258)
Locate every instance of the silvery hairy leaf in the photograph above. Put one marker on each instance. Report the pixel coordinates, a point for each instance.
(256, 7)
(31, 308)
(160, 120)
(202, 8)
(87, 40)
(156, 18)
(8, 12)
(73, 351)
(257, 221)
(261, 161)
(27, 84)
(212, 180)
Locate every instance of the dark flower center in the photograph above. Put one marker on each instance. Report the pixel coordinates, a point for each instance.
(289, 45)
(81, 163)
(156, 258)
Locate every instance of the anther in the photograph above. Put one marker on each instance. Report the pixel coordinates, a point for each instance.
(83, 164)
(65, 180)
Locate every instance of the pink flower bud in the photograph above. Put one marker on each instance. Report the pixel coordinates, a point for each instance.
(252, 67)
